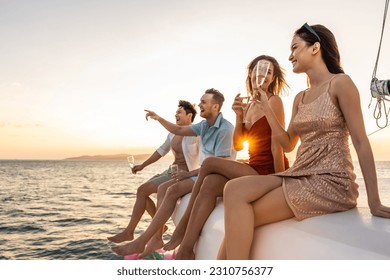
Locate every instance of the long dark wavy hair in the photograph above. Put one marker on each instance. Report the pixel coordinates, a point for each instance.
(329, 49)
(279, 83)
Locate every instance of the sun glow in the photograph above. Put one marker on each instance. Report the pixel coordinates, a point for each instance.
(65, 94)
(243, 154)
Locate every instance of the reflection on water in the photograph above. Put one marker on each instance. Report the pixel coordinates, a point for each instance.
(66, 209)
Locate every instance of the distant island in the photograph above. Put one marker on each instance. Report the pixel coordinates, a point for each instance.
(102, 157)
(110, 157)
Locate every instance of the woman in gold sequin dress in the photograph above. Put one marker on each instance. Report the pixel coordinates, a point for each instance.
(321, 180)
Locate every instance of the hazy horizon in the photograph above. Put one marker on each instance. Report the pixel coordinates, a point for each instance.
(76, 76)
(381, 153)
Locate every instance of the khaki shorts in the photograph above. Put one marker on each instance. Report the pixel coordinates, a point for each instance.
(163, 177)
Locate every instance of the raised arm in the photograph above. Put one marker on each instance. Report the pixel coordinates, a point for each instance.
(287, 139)
(171, 127)
(347, 96)
(238, 137)
(276, 105)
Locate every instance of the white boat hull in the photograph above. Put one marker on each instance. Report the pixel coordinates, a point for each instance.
(350, 235)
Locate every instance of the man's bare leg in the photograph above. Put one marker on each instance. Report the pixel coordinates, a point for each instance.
(141, 204)
(156, 240)
(212, 188)
(150, 207)
(163, 213)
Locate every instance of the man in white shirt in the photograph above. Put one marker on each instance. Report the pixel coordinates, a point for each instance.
(216, 135)
(186, 152)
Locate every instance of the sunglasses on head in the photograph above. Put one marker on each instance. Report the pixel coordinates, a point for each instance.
(312, 31)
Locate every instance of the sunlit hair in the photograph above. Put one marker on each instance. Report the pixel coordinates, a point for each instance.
(188, 108)
(217, 96)
(279, 83)
(329, 49)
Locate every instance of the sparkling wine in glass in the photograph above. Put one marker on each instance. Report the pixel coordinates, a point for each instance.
(261, 72)
(174, 169)
(130, 160)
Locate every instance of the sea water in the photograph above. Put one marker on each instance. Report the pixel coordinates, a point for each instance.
(66, 209)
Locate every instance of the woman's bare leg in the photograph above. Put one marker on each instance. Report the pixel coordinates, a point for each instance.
(139, 207)
(222, 250)
(211, 165)
(240, 214)
(262, 209)
(271, 208)
(212, 188)
(163, 213)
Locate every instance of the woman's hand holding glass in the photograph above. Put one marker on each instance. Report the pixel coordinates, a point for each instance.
(239, 104)
(263, 100)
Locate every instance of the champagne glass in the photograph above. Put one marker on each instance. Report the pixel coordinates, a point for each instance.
(262, 68)
(174, 169)
(130, 160)
(261, 73)
(245, 100)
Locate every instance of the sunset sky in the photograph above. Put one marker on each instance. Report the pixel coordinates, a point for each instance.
(75, 76)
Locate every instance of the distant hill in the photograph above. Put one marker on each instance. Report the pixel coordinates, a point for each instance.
(109, 157)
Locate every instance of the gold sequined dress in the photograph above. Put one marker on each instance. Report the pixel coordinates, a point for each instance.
(321, 180)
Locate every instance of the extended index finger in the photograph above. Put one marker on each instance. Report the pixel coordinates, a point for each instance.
(147, 113)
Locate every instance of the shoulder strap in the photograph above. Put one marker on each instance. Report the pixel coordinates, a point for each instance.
(330, 81)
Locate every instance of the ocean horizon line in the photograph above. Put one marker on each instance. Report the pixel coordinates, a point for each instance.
(110, 157)
(136, 156)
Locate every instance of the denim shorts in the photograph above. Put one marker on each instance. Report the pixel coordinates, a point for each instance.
(194, 178)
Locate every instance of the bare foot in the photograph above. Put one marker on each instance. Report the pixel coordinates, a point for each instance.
(185, 255)
(121, 237)
(153, 245)
(130, 248)
(176, 239)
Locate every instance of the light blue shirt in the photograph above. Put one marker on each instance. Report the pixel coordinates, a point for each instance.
(216, 140)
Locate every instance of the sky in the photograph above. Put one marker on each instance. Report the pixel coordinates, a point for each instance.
(76, 76)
